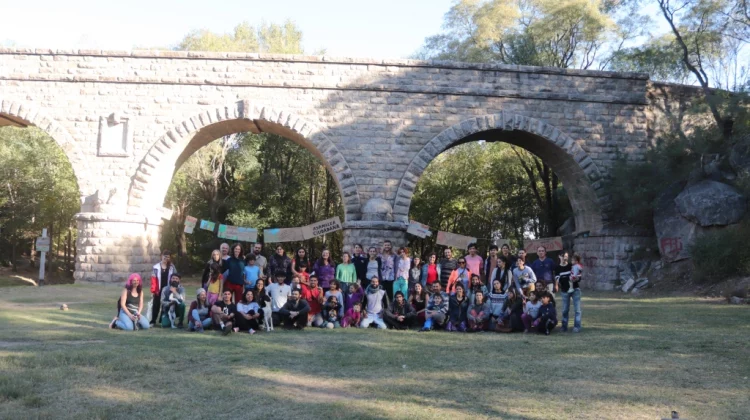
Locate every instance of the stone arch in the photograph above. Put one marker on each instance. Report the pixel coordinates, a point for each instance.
(579, 174)
(149, 185)
(23, 114)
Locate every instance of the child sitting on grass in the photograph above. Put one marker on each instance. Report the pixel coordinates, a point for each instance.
(353, 316)
(331, 313)
(531, 310)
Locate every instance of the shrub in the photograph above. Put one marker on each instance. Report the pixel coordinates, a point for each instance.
(722, 254)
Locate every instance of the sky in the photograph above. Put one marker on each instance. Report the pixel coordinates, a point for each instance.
(376, 29)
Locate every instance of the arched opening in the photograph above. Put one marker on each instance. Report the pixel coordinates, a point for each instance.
(39, 191)
(252, 167)
(497, 135)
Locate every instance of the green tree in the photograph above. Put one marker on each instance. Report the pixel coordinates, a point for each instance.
(39, 191)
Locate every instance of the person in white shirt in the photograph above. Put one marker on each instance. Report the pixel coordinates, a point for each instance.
(279, 293)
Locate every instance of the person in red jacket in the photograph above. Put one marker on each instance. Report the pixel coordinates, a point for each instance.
(160, 276)
(317, 295)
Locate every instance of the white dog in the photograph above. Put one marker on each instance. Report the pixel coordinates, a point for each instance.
(267, 322)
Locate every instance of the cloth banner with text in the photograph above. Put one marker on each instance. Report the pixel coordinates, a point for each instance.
(302, 233)
(551, 244)
(454, 240)
(418, 229)
(238, 233)
(190, 223)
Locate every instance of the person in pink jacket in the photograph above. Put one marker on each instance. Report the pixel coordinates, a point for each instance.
(353, 316)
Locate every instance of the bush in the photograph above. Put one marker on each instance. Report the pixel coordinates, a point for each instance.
(722, 254)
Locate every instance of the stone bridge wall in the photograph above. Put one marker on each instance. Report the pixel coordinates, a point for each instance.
(127, 119)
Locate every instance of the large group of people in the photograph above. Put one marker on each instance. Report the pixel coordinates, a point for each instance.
(381, 287)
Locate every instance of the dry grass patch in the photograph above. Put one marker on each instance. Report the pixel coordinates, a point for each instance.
(637, 358)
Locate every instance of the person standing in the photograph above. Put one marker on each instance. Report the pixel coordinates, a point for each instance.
(474, 262)
(388, 268)
(544, 269)
(415, 273)
(502, 273)
(430, 272)
(260, 260)
(346, 272)
(234, 267)
(447, 265)
(505, 251)
(568, 279)
(279, 262)
(403, 265)
(215, 258)
(315, 303)
(359, 259)
(374, 267)
(490, 264)
(160, 276)
(299, 258)
(224, 249)
(325, 269)
(252, 272)
(460, 275)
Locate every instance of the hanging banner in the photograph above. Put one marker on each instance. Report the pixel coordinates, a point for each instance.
(165, 213)
(208, 225)
(418, 229)
(190, 223)
(283, 235)
(238, 233)
(321, 228)
(552, 244)
(455, 240)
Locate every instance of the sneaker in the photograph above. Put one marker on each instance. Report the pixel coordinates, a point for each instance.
(236, 329)
(113, 324)
(180, 325)
(225, 330)
(251, 331)
(576, 330)
(546, 331)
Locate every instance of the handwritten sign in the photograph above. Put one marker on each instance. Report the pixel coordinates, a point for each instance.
(190, 223)
(418, 229)
(283, 235)
(552, 244)
(238, 233)
(165, 213)
(454, 240)
(321, 228)
(208, 225)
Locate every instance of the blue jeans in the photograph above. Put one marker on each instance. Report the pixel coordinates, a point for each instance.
(576, 295)
(125, 323)
(206, 322)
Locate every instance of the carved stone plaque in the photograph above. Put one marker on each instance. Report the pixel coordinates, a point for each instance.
(115, 136)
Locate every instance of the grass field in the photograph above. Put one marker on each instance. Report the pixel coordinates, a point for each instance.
(636, 358)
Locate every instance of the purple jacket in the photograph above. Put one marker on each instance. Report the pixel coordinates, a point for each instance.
(325, 273)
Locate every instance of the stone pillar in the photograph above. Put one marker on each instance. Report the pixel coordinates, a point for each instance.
(604, 255)
(112, 246)
(376, 226)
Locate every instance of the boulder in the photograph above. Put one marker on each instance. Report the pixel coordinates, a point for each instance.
(641, 283)
(629, 283)
(711, 203)
(734, 300)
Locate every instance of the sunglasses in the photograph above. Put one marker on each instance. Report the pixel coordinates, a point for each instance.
(462, 262)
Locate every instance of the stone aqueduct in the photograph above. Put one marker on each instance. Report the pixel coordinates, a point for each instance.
(127, 120)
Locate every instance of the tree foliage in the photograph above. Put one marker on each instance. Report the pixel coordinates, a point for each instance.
(255, 180)
(39, 190)
(480, 189)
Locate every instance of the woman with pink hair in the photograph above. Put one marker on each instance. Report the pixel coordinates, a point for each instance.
(131, 306)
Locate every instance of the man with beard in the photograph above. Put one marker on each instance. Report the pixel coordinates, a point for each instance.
(376, 300)
(294, 312)
(389, 263)
(260, 260)
(359, 259)
(447, 265)
(400, 315)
